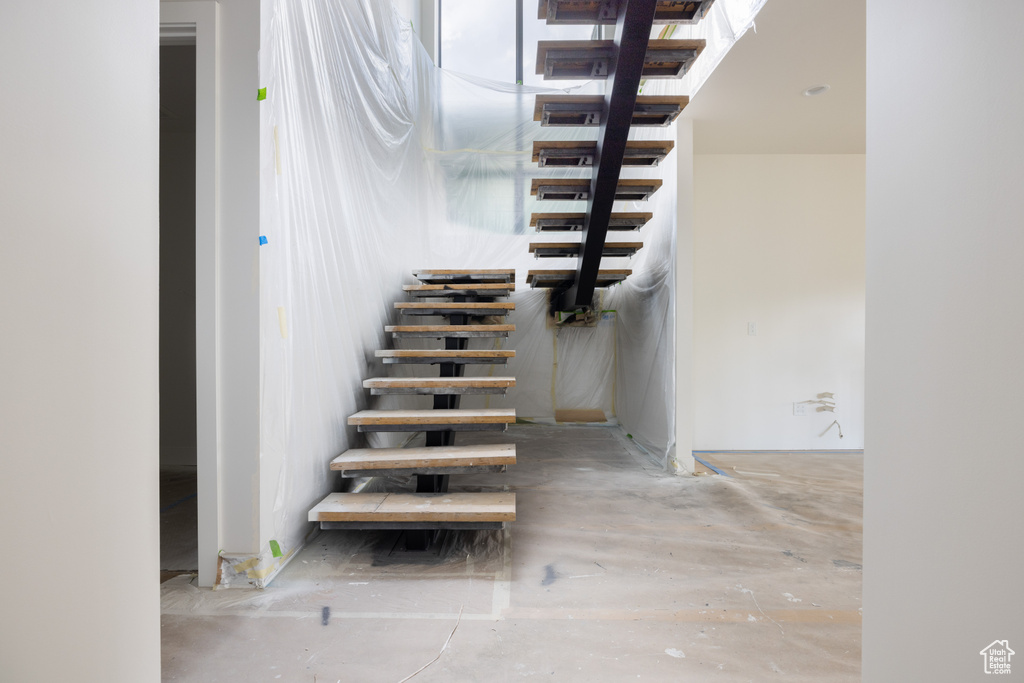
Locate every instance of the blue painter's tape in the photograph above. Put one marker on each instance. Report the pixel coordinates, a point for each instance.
(712, 467)
(263, 240)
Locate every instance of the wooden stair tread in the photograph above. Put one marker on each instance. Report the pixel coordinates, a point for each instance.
(467, 305)
(441, 308)
(573, 222)
(570, 249)
(456, 356)
(487, 289)
(580, 154)
(589, 12)
(591, 59)
(428, 456)
(578, 189)
(588, 110)
(416, 507)
(557, 278)
(444, 353)
(439, 331)
(436, 386)
(409, 382)
(434, 417)
(443, 276)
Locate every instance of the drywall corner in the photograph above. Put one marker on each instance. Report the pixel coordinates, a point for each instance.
(245, 570)
(681, 456)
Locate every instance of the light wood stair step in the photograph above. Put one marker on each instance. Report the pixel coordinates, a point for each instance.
(560, 153)
(455, 308)
(457, 356)
(591, 12)
(588, 110)
(438, 419)
(564, 278)
(368, 462)
(483, 289)
(485, 510)
(564, 249)
(591, 59)
(573, 222)
(453, 331)
(438, 385)
(578, 189)
(440, 277)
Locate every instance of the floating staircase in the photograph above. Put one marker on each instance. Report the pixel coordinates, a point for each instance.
(467, 298)
(631, 57)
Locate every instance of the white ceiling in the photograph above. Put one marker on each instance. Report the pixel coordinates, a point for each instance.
(753, 103)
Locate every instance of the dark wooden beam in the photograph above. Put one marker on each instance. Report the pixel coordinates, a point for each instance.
(632, 32)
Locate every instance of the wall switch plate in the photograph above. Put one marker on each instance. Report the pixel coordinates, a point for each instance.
(752, 329)
(800, 409)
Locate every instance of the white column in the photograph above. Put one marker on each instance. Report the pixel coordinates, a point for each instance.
(683, 454)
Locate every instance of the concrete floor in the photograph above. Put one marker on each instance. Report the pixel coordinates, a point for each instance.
(613, 571)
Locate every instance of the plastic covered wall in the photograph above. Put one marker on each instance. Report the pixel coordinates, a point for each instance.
(376, 163)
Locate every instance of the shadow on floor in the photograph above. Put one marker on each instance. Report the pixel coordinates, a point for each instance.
(178, 522)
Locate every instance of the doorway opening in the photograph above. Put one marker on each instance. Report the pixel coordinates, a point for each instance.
(178, 435)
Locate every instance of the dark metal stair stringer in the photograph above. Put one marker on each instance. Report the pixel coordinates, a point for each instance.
(632, 33)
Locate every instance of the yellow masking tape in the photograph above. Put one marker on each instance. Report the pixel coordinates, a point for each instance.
(248, 564)
(282, 321)
(269, 569)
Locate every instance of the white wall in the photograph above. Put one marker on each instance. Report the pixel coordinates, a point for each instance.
(779, 242)
(78, 353)
(944, 476)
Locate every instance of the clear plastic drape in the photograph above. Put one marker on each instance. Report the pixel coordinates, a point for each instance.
(376, 163)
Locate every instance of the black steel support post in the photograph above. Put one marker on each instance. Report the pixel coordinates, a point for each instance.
(632, 32)
(420, 539)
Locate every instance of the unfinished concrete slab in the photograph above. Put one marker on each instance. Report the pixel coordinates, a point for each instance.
(613, 571)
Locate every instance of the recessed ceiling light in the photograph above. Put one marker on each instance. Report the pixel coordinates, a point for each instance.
(816, 90)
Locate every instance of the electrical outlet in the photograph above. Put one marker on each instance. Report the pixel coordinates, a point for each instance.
(800, 409)
(752, 329)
